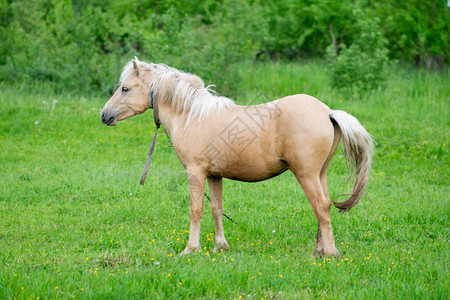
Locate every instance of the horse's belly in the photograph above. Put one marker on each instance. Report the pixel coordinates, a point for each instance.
(251, 170)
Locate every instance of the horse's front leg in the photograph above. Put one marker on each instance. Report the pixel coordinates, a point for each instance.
(215, 188)
(196, 181)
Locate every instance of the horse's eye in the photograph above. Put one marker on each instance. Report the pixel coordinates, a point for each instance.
(124, 89)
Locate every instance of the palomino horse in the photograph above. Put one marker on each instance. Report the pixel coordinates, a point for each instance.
(215, 138)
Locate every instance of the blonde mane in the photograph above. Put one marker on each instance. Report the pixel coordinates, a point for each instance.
(185, 92)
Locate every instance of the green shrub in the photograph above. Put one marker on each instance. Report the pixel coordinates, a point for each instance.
(362, 66)
(83, 47)
(212, 49)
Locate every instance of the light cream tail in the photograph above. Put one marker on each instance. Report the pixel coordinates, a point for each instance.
(358, 149)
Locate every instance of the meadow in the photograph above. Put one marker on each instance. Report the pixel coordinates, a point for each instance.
(75, 223)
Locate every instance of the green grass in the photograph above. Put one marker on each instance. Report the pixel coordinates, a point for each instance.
(76, 223)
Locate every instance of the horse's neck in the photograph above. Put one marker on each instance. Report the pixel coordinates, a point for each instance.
(173, 122)
(177, 122)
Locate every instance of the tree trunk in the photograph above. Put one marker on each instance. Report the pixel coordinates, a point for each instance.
(417, 61)
(429, 62)
(333, 38)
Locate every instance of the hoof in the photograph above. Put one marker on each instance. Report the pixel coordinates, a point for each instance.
(322, 253)
(221, 247)
(190, 250)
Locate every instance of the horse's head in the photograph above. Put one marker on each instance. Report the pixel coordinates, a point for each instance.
(131, 98)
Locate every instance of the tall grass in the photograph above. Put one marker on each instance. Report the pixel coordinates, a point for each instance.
(76, 223)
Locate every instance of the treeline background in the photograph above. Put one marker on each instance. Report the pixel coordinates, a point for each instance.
(81, 45)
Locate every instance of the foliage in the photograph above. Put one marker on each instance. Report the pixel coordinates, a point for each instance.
(417, 30)
(213, 51)
(82, 45)
(75, 221)
(362, 66)
(302, 28)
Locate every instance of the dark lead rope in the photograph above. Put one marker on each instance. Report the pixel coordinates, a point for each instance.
(168, 138)
(152, 147)
(149, 157)
(207, 197)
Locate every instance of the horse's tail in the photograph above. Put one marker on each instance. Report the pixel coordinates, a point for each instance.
(358, 149)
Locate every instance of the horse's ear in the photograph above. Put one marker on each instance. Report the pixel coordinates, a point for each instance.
(135, 66)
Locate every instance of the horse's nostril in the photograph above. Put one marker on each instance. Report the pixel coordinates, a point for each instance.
(108, 118)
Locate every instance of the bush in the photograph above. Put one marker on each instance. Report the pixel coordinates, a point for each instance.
(213, 48)
(362, 66)
(84, 47)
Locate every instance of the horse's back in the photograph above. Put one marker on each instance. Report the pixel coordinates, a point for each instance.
(303, 106)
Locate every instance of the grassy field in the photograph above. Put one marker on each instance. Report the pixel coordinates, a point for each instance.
(76, 224)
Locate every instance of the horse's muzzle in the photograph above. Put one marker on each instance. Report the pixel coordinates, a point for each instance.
(108, 119)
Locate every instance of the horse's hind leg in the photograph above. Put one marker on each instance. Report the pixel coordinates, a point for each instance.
(215, 189)
(324, 171)
(311, 185)
(325, 241)
(197, 192)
